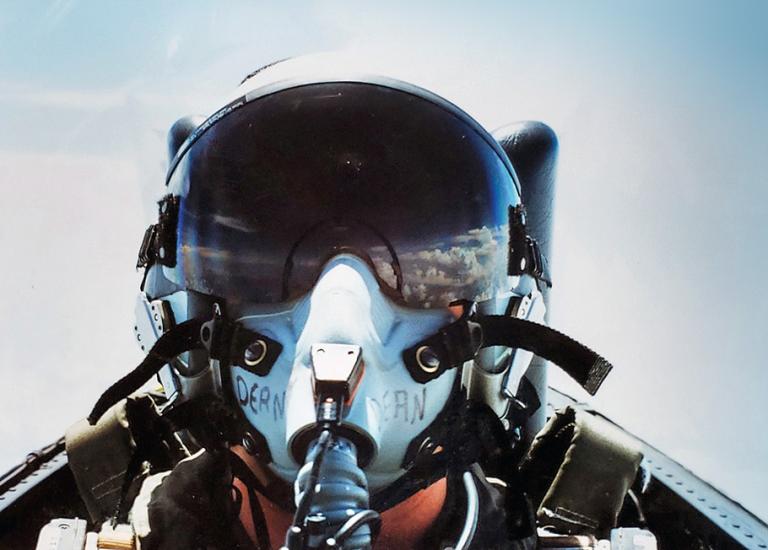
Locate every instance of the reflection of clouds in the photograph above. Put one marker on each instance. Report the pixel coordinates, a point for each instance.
(471, 266)
(384, 270)
(233, 222)
(379, 250)
(193, 252)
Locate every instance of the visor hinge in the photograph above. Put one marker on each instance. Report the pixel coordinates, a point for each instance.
(159, 242)
(525, 256)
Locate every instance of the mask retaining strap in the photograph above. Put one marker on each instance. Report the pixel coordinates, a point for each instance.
(182, 338)
(582, 364)
(461, 340)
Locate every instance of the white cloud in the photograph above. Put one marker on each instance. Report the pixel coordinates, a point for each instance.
(88, 100)
(57, 11)
(173, 47)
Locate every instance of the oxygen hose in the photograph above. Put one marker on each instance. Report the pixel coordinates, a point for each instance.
(332, 500)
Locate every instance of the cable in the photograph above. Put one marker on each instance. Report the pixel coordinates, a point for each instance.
(353, 524)
(470, 523)
(636, 501)
(296, 530)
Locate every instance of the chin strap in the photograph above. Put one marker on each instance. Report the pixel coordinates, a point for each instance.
(460, 341)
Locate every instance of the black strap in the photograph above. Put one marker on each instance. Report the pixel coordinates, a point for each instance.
(183, 337)
(241, 471)
(448, 348)
(461, 340)
(222, 339)
(581, 363)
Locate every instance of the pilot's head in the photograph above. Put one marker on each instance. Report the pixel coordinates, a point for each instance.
(330, 208)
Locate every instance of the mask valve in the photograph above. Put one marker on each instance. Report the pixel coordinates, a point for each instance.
(336, 373)
(331, 490)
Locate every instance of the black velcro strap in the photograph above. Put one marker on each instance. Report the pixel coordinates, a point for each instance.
(223, 340)
(461, 340)
(183, 337)
(448, 348)
(581, 363)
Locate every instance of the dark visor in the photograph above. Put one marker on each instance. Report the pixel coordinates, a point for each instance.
(279, 185)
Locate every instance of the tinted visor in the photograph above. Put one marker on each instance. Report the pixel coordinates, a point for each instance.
(278, 186)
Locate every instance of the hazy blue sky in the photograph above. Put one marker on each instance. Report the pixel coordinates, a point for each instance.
(659, 252)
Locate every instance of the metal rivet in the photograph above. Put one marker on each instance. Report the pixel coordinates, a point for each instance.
(517, 433)
(255, 353)
(427, 445)
(161, 252)
(249, 443)
(522, 263)
(427, 359)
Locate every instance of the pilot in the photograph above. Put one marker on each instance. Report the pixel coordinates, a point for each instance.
(343, 296)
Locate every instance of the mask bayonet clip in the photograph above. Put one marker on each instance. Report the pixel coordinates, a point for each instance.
(336, 373)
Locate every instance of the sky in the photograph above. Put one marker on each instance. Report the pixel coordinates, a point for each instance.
(659, 242)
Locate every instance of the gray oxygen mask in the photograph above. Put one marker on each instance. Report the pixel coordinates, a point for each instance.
(389, 409)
